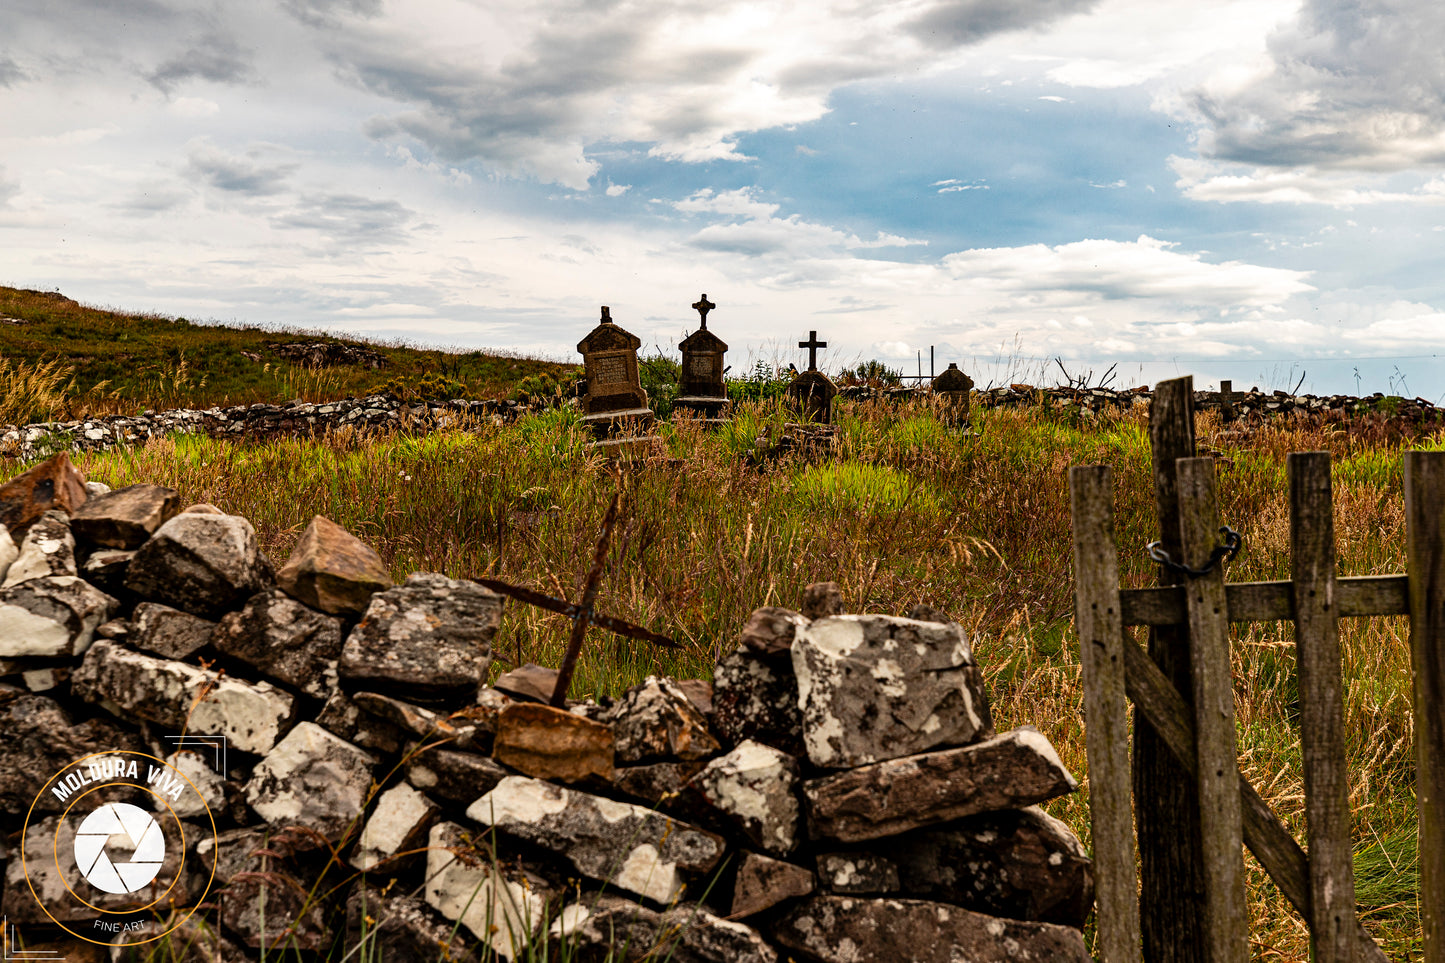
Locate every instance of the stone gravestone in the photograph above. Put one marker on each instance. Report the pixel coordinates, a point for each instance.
(702, 390)
(615, 401)
(811, 392)
(953, 387)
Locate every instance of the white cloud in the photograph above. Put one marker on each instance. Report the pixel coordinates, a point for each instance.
(752, 227)
(617, 190)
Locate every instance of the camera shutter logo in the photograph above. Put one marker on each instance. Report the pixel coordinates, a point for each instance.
(148, 845)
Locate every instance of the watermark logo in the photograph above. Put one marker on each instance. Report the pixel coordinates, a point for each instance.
(106, 848)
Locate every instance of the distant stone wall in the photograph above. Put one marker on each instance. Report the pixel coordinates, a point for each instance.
(837, 792)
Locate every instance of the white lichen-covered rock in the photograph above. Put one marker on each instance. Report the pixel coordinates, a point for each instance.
(756, 786)
(656, 721)
(47, 549)
(755, 697)
(54, 615)
(875, 687)
(199, 775)
(200, 563)
(685, 932)
(397, 824)
(312, 779)
(251, 715)
(1012, 770)
(9, 551)
(501, 906)
(630, 847)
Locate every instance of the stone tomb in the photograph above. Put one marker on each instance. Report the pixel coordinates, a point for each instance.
(702, 390)
(953, 386)
(615, 405)
(811, 392)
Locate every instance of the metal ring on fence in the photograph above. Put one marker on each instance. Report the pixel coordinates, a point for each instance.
(1225, 552)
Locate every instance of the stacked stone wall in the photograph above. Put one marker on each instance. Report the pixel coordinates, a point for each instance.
(837, 791)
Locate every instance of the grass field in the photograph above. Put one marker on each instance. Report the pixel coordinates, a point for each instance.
(904, 511)
(907, 511)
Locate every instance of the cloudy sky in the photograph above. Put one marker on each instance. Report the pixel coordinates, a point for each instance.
(1241, 189)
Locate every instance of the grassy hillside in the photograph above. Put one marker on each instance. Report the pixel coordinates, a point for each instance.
(906, 511)
(60, 359)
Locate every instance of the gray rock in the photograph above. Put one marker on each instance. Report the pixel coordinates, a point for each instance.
(94, 488)
(757, 698)
(763, 882)
(169, 632)
(126, 517)
(284, 640)
(860, 872)
(9, 551)
(656, 783)
(397, 927)
(454, 776)
(656, 721)
(398, 824)
(251, 715)
(621, 930)
(262, 889)
(416, 720)
(40, 739)
(756, 786)
(529, 683)
(1012, 770)
(430, 638)
(875, 687)
(499, 905)
(208, 785)
(48, 549)
(312, 779)
(200, 563)
(341, 716)
(51, 616)
(633, 848)
(844, 929)
(106, 570)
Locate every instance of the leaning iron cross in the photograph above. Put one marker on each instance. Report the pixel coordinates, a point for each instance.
(812, 344)
(703, 307)
(581, 614)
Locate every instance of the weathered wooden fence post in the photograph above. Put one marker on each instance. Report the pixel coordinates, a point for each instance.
(1211, 681)
(1166, 812)
(1098, 620)
(1425, 548)
(1333, 932)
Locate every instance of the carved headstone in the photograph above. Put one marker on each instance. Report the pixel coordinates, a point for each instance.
(702, 389)
(812, 392)
(953, 386)
(614, 388)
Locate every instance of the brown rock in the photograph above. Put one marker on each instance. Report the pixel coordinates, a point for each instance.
(530, 683)
(1012, 770)
(659, 783)
(764, 882)
(332, 570)
(54, 483)
(842, 929)
(126, 517)
(201, 508)
(549, 743)
(698, 692)
(769, 630)
(822, 599)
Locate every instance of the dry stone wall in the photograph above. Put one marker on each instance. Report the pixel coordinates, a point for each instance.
(838, 791)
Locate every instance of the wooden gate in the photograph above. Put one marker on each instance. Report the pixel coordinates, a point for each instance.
(1192, 805)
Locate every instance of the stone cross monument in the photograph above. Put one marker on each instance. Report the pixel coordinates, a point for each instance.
(702, 390)
(953, 386)
(811, 391)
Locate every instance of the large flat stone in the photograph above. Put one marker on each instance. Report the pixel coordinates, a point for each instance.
(875, 687)
(1012, 770)
(126, 517)
(200, 563)
(251, 715)
(635, 849)
(51, 616)
(428, 638)
(628, 932)
(332, 570)
(284, 640)
(312, 779)
(843, 929)
(548, 743)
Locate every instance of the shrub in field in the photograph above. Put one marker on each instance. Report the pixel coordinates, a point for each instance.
(432, 387)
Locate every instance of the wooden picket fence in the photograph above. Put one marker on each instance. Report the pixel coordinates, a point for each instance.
(1193, 808)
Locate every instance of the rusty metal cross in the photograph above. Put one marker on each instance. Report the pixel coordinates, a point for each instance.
(812, 344)
(581, 613)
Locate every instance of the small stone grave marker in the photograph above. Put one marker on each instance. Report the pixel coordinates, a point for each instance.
(953, 386)
(811, 391)
(615, 398)
(702, 389)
